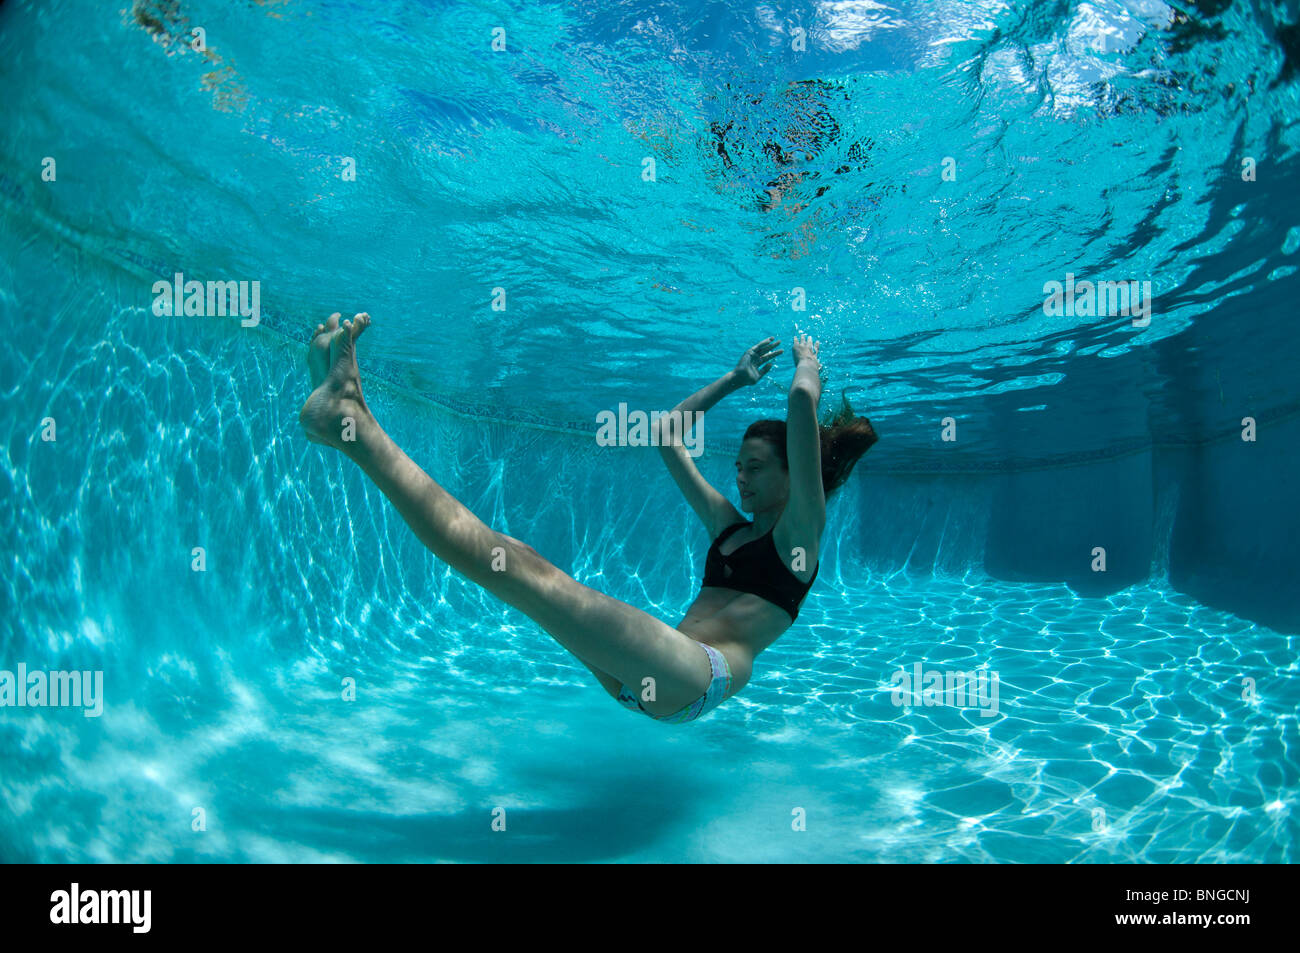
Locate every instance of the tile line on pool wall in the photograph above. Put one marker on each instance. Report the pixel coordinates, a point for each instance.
(386, 375)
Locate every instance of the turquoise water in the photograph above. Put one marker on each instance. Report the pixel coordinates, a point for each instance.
(1101, 139)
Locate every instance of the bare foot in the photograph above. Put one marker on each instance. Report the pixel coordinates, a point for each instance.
(335, 408)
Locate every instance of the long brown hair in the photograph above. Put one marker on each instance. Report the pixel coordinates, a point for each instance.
(844, 439)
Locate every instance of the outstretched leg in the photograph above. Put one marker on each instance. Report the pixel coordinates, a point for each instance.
(607, 635)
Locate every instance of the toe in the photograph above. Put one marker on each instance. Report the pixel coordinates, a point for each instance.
(339, 342)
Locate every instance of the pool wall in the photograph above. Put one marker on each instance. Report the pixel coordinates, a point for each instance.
(1220, 518)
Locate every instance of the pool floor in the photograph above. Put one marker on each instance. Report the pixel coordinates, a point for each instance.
(1121, 731)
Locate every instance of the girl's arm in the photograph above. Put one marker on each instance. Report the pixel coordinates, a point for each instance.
(704, 398)
(806, 506)
(710, 506)
(751, 367)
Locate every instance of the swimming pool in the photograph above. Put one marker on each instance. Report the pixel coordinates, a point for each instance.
(288, 675)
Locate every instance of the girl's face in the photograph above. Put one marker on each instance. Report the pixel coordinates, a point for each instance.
(763, 482)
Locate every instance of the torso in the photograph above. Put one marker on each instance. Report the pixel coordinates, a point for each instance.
(741, 625)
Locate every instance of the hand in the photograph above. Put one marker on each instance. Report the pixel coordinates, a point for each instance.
(805, 349)
(757, 361)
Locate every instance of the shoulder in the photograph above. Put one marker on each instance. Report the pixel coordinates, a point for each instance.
(725, 526)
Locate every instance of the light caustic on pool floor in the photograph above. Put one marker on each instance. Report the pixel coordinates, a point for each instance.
(1122, 732)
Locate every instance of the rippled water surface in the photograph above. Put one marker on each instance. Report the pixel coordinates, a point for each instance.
(1100, 139)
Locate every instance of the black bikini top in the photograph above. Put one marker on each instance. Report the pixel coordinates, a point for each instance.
(756, 568)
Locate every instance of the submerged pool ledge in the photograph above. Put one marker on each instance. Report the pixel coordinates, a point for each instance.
(1218, 522)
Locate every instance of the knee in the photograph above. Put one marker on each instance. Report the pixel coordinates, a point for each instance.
(510, 543)
(517, 560)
